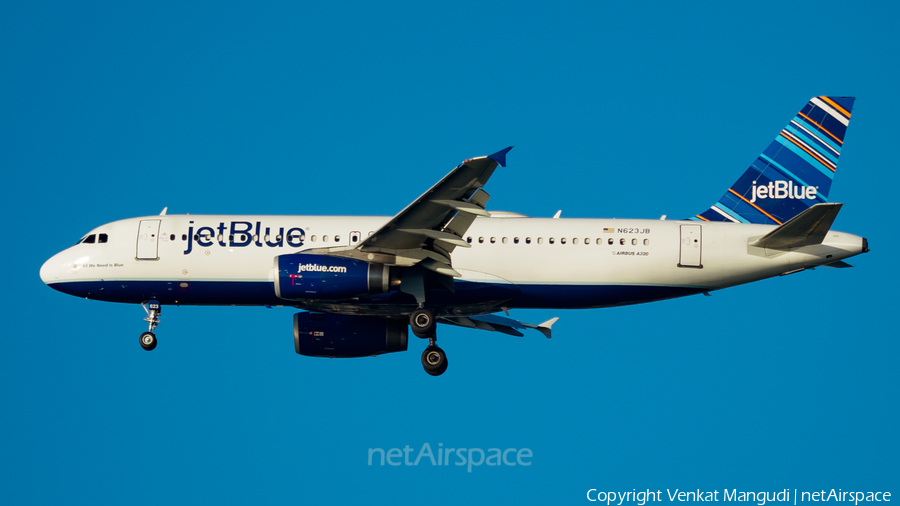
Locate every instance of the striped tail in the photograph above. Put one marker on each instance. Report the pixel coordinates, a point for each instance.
(794, 172)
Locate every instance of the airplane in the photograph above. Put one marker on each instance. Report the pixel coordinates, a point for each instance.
(362, 282)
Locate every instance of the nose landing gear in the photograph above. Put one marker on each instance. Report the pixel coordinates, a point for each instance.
(148, 341)
(153, 309)
(422, 323)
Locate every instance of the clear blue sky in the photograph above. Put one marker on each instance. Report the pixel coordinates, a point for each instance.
(624, 109)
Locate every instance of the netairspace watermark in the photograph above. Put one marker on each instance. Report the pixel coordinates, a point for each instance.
(642, 497)
(469, 457)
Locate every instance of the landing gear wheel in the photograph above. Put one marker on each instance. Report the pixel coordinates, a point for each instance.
(434, 360)
(148, 341)
(422, 323)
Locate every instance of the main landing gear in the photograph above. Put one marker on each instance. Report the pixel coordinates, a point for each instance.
(153, 309)
(422, 323)
(434, 360)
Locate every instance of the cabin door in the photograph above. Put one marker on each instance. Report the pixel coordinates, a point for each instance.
(691, 246)
(148, 240)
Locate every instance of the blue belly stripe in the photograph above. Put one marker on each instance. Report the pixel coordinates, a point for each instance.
(259, 293)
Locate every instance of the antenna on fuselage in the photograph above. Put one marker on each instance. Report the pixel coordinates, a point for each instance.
(163, 212)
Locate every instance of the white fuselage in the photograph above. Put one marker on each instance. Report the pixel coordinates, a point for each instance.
(541, 262)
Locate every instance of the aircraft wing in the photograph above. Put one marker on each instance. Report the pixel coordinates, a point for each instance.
(495, 323)
(430, 228)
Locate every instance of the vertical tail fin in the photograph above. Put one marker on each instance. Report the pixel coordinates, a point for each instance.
(794, 172)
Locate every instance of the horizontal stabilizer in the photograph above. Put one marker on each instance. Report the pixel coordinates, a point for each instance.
(805, 229)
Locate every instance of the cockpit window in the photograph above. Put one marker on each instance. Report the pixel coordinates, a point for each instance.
(89, 239)
(102, 238)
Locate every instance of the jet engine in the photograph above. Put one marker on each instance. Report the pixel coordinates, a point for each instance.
(306, 276)
(343, 336)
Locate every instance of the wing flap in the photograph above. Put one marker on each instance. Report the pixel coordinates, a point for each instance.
(440, 268)
(464, 206)
(438, 235)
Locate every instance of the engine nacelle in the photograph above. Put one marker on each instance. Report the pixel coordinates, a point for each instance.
(343, 336)
(303, 276)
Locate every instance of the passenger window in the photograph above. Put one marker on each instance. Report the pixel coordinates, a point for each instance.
(575, 241)
(540, 240)
(324, 238)
(611, 242)
(230, 238)
(469, 239)
(313, 238)
(528, 240)
(493, 240)
(634, 242)
(504, 240)
(102, 238)
(551, 240)
(278, 238)
(516, 240)
(622, 241)
(562, 240)
(646, 242)
(184, 237)
(337, 238)
(219, 237)
(599, 242)
(587, 240)
(480, 240)
(89, 239)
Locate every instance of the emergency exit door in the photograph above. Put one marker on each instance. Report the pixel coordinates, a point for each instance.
(691, 246)
(148, 240)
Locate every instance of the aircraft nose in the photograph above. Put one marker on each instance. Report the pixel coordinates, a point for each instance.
(50, 271)
(45, 272)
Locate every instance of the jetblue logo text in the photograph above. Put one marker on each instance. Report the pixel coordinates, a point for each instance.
(782, 190)
(321, 268)
(468, 457)
(239, 234)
